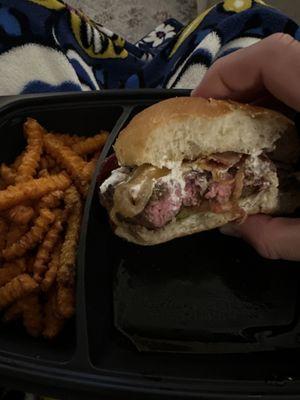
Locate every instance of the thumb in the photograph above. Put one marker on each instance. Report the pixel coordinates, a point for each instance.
(273, 238)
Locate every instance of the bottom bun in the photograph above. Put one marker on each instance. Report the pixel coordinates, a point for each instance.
(266, 202)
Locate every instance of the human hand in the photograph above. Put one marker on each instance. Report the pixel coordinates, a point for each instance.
(270, 68)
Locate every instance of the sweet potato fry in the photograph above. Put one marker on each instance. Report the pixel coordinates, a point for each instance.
(21, 214)
(41, 201)
(51, 273)
(11, 270)
(8, 175)
(17, 288)
(31, 157)
(31, 310)
(32, 190)
(15, 232)
(52, 200)
(90, 168)
(68, 159)
(68, 140)
(16, 164)
(47, 247)
(72, 198)
(32, 315)
(66, 301)
(52, 324)
(90, 144)
(66, 270)
(32, 237)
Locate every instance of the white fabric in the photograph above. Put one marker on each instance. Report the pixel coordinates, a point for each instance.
(17, 68)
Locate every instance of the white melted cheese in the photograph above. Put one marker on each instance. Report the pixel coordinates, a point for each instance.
(117, 176)
(175, 175)
(172, 164)
(256, 165)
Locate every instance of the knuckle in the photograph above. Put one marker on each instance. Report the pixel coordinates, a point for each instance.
(281, 39)
(280, 49)
(265, 241)
(279, 43)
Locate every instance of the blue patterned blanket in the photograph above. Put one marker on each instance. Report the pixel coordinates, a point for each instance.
(47, 46)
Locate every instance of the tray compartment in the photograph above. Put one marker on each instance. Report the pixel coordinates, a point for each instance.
(74, 118)
(247, 304)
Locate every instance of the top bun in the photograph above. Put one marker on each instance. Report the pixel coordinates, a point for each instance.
(183, 128)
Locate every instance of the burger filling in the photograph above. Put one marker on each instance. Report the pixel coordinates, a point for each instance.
(152, 197)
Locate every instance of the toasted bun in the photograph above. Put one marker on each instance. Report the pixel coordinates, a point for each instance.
(186, 127)
(266, 202)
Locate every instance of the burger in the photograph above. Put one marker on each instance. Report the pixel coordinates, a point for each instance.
(186, 165)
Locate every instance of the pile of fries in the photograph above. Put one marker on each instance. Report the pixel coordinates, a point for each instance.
(41, 202)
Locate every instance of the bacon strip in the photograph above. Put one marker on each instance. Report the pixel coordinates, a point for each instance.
(228, 158)
(238, 187)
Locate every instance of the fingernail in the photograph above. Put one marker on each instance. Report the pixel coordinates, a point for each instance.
(230, 230)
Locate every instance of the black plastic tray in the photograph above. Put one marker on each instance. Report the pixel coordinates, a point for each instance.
(248, 305)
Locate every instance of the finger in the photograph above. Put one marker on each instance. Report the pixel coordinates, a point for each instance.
(272, 103)
(273, 238)
(272, 65)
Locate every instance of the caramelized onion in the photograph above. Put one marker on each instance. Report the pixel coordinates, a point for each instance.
(239, 185)
(131, 197)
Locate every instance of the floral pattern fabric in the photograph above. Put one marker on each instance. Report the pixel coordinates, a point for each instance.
(48, 46)
(75, 53)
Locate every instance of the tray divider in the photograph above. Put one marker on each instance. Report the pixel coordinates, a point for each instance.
(81, 355)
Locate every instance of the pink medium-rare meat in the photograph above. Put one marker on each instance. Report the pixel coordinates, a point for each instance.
(163, 208)
(220, 191)
(196, 184)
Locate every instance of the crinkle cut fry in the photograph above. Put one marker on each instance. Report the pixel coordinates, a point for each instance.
(31, 310)
(32, 315)
(67, 139)
(21, 214)
(7, 174)
(15, 232)
(11, 270)
(31, 157)
(66, 270)
(52, 323)
(52, 200)
(18, 161)
(90, 168)
(32, 190)
(68, 159)
(47, 246)
(90, 144)
(51, 273)
(72, 198)
(32, 237)
(17, 288)
(66, 301)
